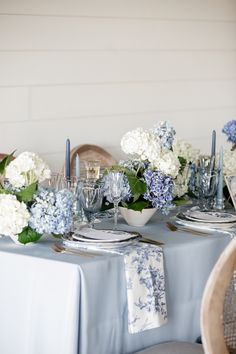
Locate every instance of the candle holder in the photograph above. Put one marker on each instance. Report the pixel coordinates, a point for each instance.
(219, 204)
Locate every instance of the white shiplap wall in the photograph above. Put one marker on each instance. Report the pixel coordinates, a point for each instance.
(93, 69)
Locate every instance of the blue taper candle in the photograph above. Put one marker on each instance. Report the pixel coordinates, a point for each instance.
(213, 143)
(219, 195)
(77, 166)
(67, 164)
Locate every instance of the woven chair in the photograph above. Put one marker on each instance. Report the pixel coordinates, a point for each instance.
(218, 312)
(88, 152)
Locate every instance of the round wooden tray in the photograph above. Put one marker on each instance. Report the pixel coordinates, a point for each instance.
(89, 152)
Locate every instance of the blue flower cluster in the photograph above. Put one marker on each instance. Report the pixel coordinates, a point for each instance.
(165, 132)
(159, 190)
(230, 130)
(52, 212)
(134, 165)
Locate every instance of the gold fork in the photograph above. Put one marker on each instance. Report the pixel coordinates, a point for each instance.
(61, 249)
(173, 227)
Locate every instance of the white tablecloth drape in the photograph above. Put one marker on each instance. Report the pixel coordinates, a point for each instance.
(54, 303)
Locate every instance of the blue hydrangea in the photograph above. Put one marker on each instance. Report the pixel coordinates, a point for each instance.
(159, 190)
(230, 130)
(52, 212)
(134, 165)
(165, 132)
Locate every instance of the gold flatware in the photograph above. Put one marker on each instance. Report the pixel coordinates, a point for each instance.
(61, 249)
(173, 227)
(151, 242)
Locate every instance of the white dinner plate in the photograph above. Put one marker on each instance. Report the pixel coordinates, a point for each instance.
(72, 243)
(210, 216)
(183, 220)
(103, 236)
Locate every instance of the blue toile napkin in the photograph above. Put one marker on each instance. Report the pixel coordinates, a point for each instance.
(145, 281)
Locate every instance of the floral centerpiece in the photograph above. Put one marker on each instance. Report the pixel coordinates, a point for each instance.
(27, 210)
(230, 130)
(229, 163)
(229, 166)
(157, 171)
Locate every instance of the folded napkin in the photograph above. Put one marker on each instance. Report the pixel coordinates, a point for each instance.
(145, 281)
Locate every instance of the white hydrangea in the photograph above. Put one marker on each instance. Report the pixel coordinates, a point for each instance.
(184, 149)
(14, 215)
(140, 143)
(26, 169)
(168, 163)
(181, 183)
(152, 149)
(229, 162)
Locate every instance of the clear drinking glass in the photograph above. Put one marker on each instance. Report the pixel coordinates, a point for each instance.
(205, 188)
(92, 169)
(90, 198)
(115, 183)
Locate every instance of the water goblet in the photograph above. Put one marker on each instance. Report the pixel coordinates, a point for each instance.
(90, 197)
(115, 184)
(204, 187)
(207, 189)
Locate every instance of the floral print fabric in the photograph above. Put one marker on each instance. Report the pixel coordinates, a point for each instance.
(145, 281)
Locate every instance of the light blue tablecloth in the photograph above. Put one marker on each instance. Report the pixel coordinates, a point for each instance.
(88, 303)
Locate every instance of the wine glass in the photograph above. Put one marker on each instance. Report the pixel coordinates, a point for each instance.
(90, 197)
(92, 169)
(115, 185)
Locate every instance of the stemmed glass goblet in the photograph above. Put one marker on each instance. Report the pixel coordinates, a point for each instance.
(90, 197)
(115, 185)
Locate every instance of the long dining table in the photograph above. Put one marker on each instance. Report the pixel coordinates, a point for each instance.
(59, 303)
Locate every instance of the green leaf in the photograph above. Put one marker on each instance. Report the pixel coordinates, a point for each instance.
(5, 162)
(28, 235)
(191, 194)
(136, 197)
(58, 236)
(26, 194)
(4, 191)
(136, 186)
(180, 201)
(183, 163)
(138, 206)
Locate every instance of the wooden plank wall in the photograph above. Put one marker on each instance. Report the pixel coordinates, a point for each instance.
(93, 69)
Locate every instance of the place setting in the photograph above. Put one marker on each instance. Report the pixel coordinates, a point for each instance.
(206, 184)
(207, 221)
